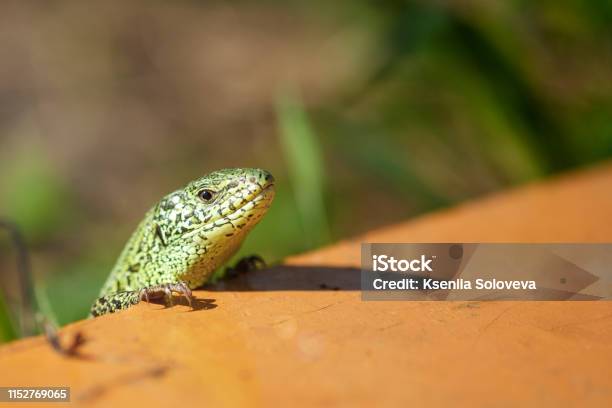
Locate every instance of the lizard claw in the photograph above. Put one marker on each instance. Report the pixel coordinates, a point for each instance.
(165, 291)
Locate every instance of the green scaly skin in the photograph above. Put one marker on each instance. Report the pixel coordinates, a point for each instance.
(185, 237)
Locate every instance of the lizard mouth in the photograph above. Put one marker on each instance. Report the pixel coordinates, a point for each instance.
(259, 202)
(267, 192)
(266, 188)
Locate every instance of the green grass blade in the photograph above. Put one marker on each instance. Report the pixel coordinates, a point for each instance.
(304, 160)
(8, 331)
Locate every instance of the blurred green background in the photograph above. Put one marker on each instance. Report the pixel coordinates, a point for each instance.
(367, 113)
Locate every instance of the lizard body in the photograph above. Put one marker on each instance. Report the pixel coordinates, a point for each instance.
(186, 236)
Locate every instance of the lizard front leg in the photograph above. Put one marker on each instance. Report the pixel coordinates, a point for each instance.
(122, 300)
(114, 302)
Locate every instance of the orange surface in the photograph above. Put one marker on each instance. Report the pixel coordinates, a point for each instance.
(283, 335)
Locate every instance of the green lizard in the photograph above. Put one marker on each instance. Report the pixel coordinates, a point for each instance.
(185, 237)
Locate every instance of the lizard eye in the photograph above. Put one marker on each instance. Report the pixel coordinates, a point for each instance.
(206, 195)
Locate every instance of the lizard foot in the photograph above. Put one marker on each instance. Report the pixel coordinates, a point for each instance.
(165, 290)
(245, 265)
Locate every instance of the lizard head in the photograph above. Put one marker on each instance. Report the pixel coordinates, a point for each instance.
(215, 207)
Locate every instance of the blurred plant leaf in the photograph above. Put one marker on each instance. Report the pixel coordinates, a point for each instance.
(304, 160)
(70, 293)
(33, 197)
(386, 161)
(44, 305)
(8, 331)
